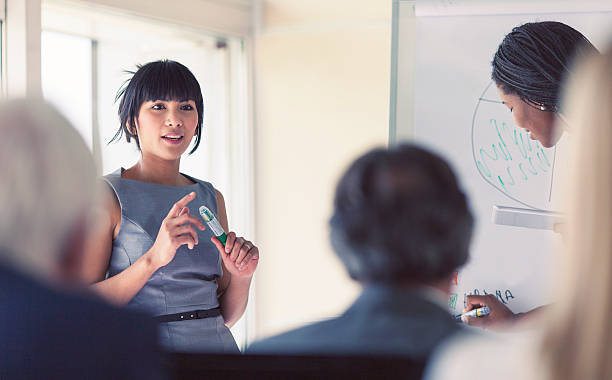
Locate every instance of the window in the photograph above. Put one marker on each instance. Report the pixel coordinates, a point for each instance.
(66, 77)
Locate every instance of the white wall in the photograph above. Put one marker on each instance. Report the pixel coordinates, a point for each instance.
(322, 98)
(221, 16)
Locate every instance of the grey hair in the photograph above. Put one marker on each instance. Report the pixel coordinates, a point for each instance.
(48, 184)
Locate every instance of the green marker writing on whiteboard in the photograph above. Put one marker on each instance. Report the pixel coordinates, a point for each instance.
(213, 224)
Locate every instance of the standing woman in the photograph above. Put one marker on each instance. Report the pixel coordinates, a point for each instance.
(152, 252)
(529, 68)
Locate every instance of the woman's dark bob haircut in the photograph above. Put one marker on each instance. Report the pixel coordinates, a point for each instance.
(159, 80)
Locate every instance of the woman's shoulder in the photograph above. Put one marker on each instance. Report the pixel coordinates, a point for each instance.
(114, 174)
(197, 181)
(113, 178)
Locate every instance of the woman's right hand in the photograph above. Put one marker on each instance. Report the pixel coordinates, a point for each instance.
(499, 313)
(176, 229)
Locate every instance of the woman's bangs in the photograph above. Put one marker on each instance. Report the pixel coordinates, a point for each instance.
(170, 83)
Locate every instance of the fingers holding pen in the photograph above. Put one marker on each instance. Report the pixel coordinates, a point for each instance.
(247, 255)
(240, 255)
(250, 259)
(499, 313)
(240, 250)
(243, 254)
(477, 301)
(229, 243)
(249, 264)
(235, 253)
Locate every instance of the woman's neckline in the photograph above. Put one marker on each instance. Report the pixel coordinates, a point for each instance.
(121, 170)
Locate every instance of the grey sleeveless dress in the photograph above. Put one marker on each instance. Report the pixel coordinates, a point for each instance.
(189, 281)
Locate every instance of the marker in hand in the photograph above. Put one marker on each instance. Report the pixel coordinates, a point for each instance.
(480, 312)
(213, 224)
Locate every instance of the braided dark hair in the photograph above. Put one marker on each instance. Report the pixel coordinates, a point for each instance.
(533, 60)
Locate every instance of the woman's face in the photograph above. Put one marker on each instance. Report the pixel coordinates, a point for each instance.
(165, 127)
(540, 124)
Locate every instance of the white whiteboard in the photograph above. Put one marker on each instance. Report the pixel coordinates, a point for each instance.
(437, 101)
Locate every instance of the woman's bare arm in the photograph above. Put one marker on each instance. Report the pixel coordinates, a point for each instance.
(238, 267)
(176, 230)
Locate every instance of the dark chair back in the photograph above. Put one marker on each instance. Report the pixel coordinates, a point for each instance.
(293, 367)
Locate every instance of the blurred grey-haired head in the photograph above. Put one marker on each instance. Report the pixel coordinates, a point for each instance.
(400, 218)
(48, 185)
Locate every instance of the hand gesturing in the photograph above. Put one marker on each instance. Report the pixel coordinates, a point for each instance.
(176, 229)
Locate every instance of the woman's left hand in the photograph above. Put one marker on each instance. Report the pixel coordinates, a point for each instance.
(239, 255)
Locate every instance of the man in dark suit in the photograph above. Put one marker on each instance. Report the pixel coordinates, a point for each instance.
(46, 333)
(50, 326)
(402, 227)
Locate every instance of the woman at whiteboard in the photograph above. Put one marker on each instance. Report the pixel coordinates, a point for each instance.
(528, 69)
(574, 341)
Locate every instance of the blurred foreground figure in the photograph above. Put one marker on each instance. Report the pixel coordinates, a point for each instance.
(49, 326)
(401, 226)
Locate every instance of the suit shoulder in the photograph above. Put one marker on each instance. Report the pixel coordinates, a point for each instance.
(297, 340)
